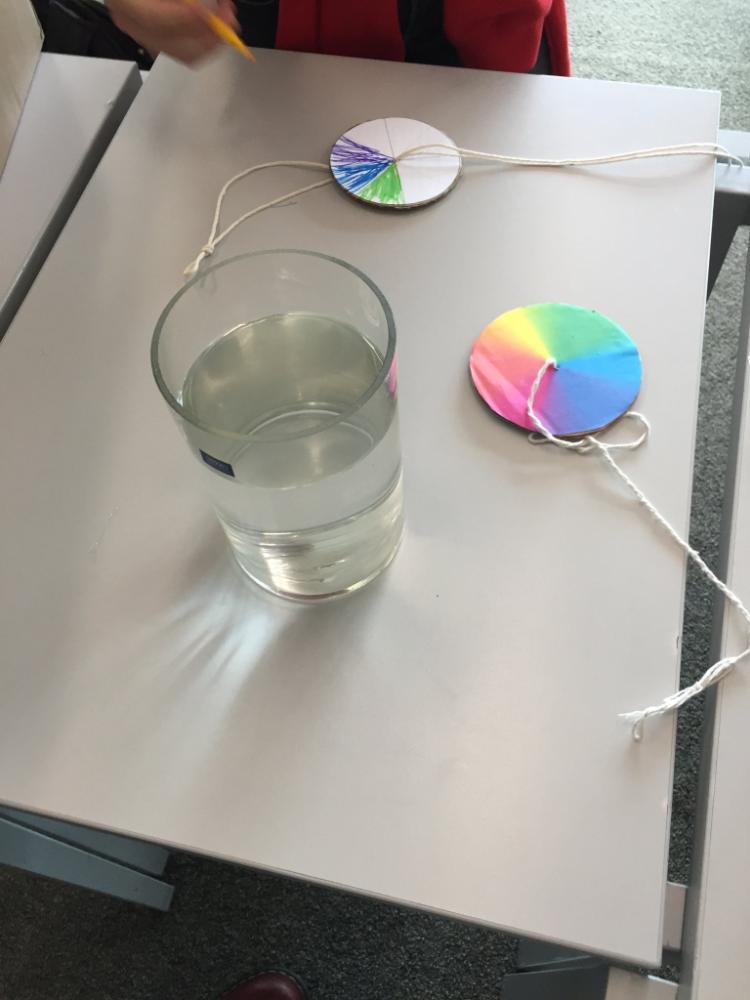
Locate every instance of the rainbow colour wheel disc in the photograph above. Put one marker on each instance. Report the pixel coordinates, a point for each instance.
(596, 380)
(363, 162)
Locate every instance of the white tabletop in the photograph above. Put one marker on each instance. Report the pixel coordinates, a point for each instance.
(72, 110)
(719, 911)
(447, 738)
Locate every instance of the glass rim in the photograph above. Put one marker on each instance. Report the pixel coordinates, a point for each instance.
(378, 380)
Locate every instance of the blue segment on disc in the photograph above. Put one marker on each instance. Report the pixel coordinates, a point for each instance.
(354, 165)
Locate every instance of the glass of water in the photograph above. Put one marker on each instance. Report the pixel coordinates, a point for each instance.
(280, 368)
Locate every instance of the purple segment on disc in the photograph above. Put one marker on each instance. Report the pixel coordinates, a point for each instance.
(354, 165)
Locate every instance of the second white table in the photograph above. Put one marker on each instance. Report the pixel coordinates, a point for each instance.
(72, 111)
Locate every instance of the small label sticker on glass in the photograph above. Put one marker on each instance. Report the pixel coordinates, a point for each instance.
(216, 463)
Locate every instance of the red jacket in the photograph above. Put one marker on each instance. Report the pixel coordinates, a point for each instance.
(487, 34)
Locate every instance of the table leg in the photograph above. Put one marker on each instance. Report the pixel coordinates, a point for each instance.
(148, 858)
(569, 975)
(35, 851)
(548, 972)
(731, 202)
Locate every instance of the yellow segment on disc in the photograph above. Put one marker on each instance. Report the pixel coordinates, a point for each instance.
(518, 328)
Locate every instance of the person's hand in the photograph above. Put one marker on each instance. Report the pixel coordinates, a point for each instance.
(170, 26)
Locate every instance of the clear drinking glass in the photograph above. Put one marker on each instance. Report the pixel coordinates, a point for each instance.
(280, 368)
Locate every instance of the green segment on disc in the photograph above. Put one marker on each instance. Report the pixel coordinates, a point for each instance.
(571, 332)
(385, 188)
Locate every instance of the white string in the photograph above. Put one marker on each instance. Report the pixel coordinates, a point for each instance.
(719, 669)
(681, 149)
(214, 240)
(439, 149)
(589, 442)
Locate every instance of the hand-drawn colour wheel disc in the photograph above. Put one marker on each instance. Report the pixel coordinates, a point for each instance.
(364, 161)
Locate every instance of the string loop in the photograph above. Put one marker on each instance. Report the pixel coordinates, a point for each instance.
(592, 442)
(713, 149)
(440, 149)
(215, 238)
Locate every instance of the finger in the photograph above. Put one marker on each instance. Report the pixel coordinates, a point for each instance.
(228, 12)
(173, 16)
(188, 48)
(190, 51)
(170, 26)
(194, 29)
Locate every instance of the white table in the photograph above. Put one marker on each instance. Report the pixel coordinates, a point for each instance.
(719, 901)
(448, 738)
(73, 109)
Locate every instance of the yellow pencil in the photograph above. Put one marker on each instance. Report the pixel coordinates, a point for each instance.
(221, 29)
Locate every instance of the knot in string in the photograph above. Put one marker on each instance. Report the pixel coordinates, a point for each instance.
(215, 237)
(194, 266)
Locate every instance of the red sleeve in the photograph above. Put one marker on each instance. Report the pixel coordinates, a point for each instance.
(341, 27)
(505, 34)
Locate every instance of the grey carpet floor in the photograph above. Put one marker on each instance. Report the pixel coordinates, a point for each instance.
(70, 944)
